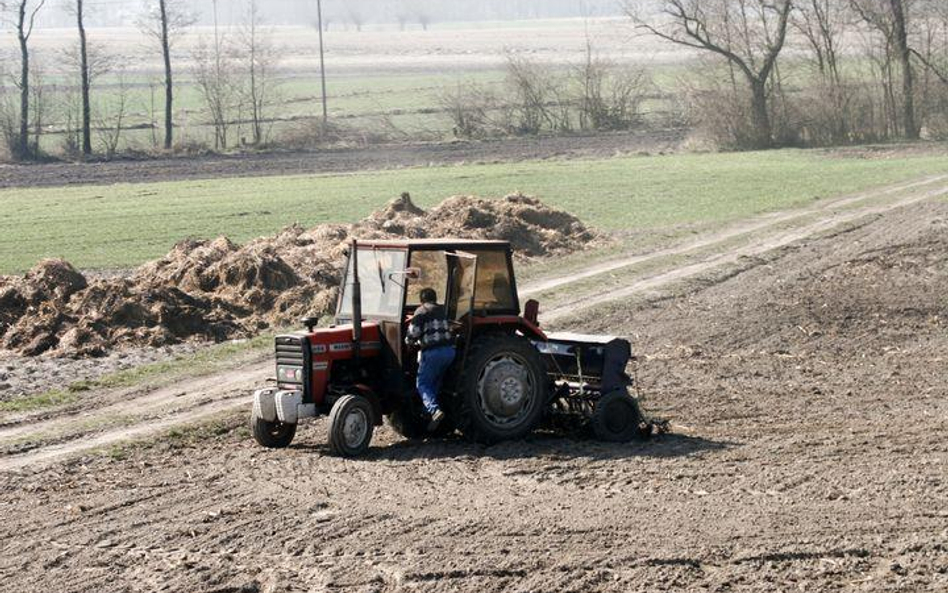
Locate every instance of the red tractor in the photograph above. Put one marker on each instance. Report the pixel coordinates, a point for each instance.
(508, 376)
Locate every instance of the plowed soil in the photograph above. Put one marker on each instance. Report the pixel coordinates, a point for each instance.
(340, 159)
(807, 390)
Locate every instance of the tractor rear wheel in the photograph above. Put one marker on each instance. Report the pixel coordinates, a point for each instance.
(617, 418)
(273, 435)
(503, 389)
(407, 422)
(411, 422)
(351, 422)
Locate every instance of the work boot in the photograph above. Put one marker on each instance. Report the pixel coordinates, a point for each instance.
(436, 419)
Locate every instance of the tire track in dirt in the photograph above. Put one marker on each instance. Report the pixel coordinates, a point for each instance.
(708, 240)
(197, 391)
(192, 400)
(754, 249)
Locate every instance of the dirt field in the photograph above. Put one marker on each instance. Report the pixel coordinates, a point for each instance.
(805, 383)
(339, 160)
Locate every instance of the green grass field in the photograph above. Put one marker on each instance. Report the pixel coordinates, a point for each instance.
(122, 225)
(407, 100)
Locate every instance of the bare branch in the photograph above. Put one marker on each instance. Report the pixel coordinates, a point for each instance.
(29, 30)
(942, 76)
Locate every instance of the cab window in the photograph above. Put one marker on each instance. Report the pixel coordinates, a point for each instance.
(494, 290)
(381, 276)
(432, 269)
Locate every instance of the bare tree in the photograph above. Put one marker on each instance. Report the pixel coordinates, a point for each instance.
(164, 20)
(420, 12)
(538, 101)
(38, 104)
(900, 30)
(356, 17)
(748, 34)
(929, 35)
(469, 106)
(609, 97)
(424, 19)
(934, 52)
(24, 18)
(941, 74)
(111, 118)
(91, 63)
(9, 131)
(889, 17)
(822, 24)
(154, 89)
(259, 59)
(84, 82)
(214, 74)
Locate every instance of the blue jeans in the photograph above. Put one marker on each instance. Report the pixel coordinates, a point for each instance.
(431, 367)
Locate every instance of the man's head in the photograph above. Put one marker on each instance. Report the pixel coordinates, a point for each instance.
(428, 295)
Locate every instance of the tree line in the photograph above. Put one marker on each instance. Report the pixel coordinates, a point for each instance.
(871, 69)
(774, 73)
(233, 73)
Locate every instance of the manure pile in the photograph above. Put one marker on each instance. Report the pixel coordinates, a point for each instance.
(217, 290)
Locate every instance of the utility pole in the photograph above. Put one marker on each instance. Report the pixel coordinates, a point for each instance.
(322, 60)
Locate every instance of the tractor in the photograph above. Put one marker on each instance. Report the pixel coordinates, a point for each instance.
(508, 378)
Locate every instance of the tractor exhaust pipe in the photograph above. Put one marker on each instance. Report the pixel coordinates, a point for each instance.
(356, 305)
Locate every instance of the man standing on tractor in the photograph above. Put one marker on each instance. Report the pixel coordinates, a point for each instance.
(429, 330)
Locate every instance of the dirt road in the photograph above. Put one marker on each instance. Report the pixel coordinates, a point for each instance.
(808, 396)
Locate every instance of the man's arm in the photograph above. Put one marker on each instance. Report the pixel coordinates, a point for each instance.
(415, 329)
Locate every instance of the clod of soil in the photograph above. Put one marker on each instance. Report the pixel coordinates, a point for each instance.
(216, 290)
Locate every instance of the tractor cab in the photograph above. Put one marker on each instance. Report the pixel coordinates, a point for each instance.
(473, 279)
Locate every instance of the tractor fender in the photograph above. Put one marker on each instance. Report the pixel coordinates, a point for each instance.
(528, 329)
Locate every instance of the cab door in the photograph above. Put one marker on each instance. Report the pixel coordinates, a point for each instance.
(460, 303)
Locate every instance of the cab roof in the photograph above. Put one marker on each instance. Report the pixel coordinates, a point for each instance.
(432, 244)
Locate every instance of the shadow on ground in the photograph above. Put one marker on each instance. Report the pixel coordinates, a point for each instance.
(542, 445)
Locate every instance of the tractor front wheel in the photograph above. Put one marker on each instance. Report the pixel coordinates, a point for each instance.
(503, 389)
(273, 435)
(617, 418)
(351, 423)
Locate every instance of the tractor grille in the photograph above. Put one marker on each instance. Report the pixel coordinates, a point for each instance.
(289, 350)
(290, 356)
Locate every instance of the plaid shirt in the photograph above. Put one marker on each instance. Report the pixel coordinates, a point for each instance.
(429, 327)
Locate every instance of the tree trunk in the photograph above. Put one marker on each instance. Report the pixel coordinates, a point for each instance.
(169, 87)
(760, 115)
(84, 67)
(23, 141)
(900, 34)
(254, 102)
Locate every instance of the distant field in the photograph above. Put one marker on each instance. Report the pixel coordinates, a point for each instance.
(380, 80)
(122, 225)
(410, 102)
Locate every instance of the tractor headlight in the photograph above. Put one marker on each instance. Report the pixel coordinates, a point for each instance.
(289, 374)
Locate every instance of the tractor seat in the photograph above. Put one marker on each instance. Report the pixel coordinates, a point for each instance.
(531, 312)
